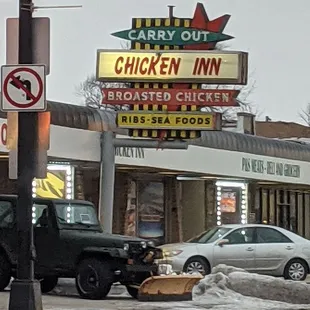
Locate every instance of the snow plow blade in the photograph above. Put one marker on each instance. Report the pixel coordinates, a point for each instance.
(168, 288)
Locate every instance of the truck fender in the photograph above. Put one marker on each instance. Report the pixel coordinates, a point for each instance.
(102, 251)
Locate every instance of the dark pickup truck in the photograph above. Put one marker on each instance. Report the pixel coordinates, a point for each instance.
(70, 243)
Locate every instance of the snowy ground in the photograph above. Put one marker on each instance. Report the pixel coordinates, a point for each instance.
(224, 289)
(233, 288)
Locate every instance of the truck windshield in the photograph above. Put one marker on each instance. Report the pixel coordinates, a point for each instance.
(76, 214)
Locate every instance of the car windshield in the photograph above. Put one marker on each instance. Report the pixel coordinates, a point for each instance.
(76, 214)
(210, 236)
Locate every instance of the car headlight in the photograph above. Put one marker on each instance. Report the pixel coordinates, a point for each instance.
(172, 253)
(126, 246)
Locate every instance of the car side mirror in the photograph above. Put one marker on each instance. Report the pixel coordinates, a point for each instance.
(222, 242)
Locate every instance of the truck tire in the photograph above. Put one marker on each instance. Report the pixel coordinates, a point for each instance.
(48, 284)
(94, 279)
(5, 272)
(132, 291)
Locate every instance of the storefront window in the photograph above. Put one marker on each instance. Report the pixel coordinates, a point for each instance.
(151, 216)
(145, 212)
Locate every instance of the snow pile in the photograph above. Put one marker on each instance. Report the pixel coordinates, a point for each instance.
(231, 285)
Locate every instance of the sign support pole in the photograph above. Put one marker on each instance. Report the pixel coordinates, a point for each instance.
(25, 290)
(107, 169)
(107, 178)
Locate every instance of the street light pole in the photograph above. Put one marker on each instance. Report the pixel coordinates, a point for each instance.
(25, 290)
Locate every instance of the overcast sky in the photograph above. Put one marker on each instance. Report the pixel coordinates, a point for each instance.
(274, 32)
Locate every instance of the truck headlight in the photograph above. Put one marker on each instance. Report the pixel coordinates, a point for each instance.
(126, 246)
(151, 244)
(143, 244)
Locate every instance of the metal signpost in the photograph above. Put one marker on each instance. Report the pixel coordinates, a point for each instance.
(23, 91)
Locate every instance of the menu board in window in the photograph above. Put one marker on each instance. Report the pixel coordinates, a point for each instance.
(228, 202)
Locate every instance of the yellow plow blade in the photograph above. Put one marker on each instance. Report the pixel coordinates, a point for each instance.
(168, 288)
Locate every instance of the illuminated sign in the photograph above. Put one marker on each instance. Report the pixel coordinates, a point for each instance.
(203, 97)
(53, 186)
(169, 120)
(58, 183)
(164, 66)
(170, 60)
(179, 36)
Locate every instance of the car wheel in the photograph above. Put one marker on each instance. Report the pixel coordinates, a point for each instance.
(197, 265)
(296, 270)
(94, 279)
(48, 284)
(132, 291)
(5, 272)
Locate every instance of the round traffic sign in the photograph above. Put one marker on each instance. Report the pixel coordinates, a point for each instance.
(29, 93)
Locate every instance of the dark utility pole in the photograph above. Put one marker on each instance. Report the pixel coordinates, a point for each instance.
(25, 290)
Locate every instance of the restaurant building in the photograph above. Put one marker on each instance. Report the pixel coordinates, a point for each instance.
(171, 195)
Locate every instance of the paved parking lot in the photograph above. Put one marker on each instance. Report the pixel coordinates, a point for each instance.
(51, 302)
(68, 302)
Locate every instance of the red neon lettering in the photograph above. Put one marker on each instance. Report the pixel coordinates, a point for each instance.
(174, 65)
(137, 65)
(147, 65)
(153, 63)
(195, 66)
(216, 65)
(143, 65)
(129, 65)
(207, 66)
(118, 68)
(163, 65)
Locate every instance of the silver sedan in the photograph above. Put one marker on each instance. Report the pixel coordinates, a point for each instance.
(263, 249)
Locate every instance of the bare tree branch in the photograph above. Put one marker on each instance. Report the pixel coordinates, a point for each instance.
(305, 114)
(91, 92)
(245, 105)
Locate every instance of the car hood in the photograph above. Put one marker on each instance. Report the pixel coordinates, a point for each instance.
(177, 246)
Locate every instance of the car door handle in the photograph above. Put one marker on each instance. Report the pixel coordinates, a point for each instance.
(250, 249)
(289, 247)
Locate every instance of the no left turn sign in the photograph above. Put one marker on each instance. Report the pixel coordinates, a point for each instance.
(23, 88)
